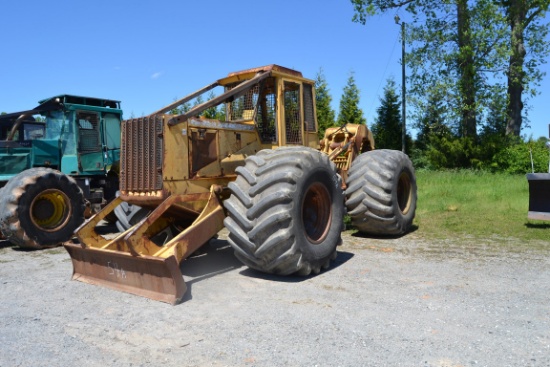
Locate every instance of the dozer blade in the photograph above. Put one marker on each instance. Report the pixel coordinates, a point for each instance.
(132, 262)
(147, 276)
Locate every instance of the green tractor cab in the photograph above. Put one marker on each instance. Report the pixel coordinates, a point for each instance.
(58, 162)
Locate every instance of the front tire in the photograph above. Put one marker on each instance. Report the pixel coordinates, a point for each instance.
(285, 213)
(381, 193)
(41, 208)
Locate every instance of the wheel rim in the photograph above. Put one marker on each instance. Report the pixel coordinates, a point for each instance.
(50, 210)
(317, 213)
(404, 190)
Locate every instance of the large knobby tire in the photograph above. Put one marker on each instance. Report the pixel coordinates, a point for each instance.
(41, 208)
(285, 212)
(128, 215)
(381, 193)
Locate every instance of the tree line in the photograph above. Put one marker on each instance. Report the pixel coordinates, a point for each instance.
(472, 67)
(436, 145)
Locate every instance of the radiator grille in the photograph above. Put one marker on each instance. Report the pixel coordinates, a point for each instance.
(141, 158)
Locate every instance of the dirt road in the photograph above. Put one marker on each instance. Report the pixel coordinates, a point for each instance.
(384, 302)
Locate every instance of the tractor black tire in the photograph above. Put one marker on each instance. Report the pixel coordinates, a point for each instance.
(381, 193)
(129, 215)
(41, 208)
(285, 212)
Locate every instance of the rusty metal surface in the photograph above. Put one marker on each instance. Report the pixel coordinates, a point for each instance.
(268, 68)
(208, 223)
(141, 154)
(152, 277)
(132, 262)
(343, 144)
(204, 149)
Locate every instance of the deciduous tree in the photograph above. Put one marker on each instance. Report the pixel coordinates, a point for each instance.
(463, 47)
(528, 49)
(451, 47)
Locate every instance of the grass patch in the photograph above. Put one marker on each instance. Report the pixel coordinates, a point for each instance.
(476, 204)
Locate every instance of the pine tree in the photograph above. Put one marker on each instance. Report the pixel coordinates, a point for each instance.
(496, 119)
(212, 112)
(323, 99)
(432, 122)
(349, 104)
(181, 109)
(387, 129)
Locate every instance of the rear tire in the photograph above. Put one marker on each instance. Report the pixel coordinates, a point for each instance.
(381, 193)
(128, 215)
(41, 208)
(285, 213)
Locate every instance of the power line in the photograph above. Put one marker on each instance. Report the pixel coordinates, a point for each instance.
(383, 77)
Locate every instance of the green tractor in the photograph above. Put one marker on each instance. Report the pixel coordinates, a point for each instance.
(58, 164)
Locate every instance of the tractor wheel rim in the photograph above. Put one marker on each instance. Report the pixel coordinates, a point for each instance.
(50, 210)
(404, 193)
(317, 213)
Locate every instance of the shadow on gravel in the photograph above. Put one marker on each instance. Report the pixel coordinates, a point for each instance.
(6, 244)
(217, 257)
(413, 229)
(342, 258)
(214, 258)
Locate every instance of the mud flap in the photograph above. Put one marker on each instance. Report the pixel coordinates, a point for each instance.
(147, 276)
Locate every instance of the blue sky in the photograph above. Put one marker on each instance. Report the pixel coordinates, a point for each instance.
(148, 53)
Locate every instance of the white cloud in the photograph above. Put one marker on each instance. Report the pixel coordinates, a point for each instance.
(156, 75)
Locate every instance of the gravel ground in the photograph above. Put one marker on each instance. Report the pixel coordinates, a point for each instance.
(384, 302)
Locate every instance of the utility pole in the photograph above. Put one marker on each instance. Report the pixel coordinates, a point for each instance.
(403, 86)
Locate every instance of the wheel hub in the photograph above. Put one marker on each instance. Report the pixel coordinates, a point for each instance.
(317, 213)
(50, 210)
(404, 193)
